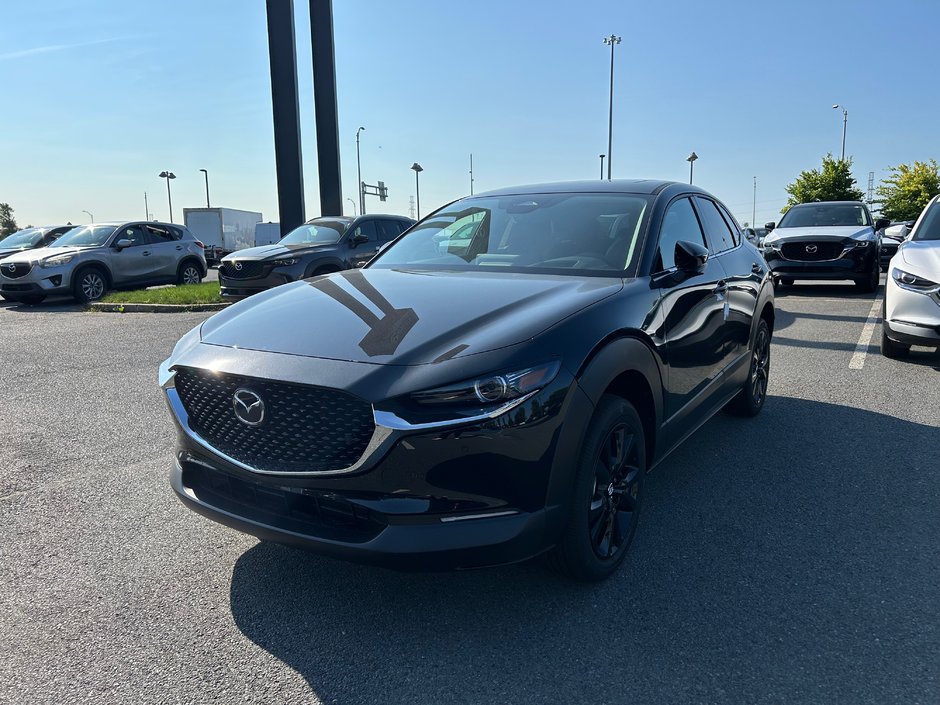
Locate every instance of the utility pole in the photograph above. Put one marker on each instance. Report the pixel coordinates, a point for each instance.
(146, 207)
(612, 40)
(871, 188)
(471, 173)
(845, 119)
(362, 198)
(754, 207)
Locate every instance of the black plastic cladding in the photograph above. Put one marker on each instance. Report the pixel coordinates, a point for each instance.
(305, 429)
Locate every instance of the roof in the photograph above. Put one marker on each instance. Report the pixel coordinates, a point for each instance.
(829, 203)
(638, 186)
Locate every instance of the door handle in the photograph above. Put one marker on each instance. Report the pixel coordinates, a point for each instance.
(179, 247)
(756, 268)
(146, 253)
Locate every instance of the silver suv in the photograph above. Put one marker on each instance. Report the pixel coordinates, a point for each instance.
(90, 259)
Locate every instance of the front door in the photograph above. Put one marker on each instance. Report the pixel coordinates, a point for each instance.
(131, 265)
(166, 252)
(362, 252)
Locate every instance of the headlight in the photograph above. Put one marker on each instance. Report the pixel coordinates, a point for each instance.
(56, 260)
(861, 243)
(912, 282)
(491, 389)
(284, 262)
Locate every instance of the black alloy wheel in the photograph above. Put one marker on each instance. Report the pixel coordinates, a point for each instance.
(606, 503)
(750, 400)
(891, 349)
(870, 284)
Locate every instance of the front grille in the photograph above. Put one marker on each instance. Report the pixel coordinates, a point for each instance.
(299, 510)
(823, 250)
(303, 429)
(244, 269)
(15, 270)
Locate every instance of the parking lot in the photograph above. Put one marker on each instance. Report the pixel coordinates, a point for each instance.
(793, 557)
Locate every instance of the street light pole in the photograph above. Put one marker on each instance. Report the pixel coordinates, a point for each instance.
(89, 215)
(146, 207)
(602, 166)
(691, 160)
(845, 119)
(417, 170)
(168, 175)
(207, 187)
(471, 173)
(353, 204)
(362, 203)
(754, 207)
(612, 40)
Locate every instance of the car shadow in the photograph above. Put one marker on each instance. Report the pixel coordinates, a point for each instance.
(847, 291)
(790, 557)
(49, 305)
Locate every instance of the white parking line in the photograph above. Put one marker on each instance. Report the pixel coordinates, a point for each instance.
(864, 340)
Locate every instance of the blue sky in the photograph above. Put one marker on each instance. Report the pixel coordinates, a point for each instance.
(100, 96)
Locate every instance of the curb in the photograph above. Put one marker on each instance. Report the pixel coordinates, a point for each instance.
(155, 308)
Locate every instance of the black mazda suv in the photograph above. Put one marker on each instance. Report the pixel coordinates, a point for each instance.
(493, 386)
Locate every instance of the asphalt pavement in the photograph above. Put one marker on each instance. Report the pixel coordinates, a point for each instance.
(793, 557)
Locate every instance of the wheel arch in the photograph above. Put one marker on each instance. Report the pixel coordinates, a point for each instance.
(195, 260)
(320, 263)
(94, 264)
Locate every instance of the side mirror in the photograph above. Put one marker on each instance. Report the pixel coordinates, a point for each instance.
(122, 243)
(882, 223)
(690, 257)
(358, 239)
(770, 226)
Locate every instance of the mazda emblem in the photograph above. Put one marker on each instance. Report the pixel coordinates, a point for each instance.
(238, 266)
(11, 267)
(811, 248)
(249, 408)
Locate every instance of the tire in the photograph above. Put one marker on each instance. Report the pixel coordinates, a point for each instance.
(891, 349)
(188, 273)
(607, 495)
(869, 285)
(328, 269)
(89, 284)
(786, 281)
(750, 400)
(32, 299)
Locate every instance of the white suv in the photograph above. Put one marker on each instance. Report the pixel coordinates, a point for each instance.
(90, 259)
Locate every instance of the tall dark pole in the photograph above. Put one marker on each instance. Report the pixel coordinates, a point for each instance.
(845, 119)
(146, 207)
(206, 173)
(417, 169)
(282, 54)
(612, 40)
(362, 198)
(168, 175)
(691, 160)
(602, 167)
(324, 103)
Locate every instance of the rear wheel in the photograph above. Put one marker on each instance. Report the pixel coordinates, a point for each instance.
(750, 400)
(189, 273)
(89, 285)
(891, 349)
(608, 488)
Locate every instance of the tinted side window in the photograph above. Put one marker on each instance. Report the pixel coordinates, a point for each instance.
(719, 234)
(158, 234)
(388, 229)
(733, 224)
(367, 228)
(679, 223)
(134, 233)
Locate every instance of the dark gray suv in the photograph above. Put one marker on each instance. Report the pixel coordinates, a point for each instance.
(319, 246)
(90, 259)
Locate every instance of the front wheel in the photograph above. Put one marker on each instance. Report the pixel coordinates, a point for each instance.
(869, 284)
(891, 349)
(750, 400)
(89, 285)
(608, 488)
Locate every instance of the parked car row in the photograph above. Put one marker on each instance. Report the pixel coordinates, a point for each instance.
(88, 260)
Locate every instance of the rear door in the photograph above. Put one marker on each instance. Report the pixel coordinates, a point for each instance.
(692, 319)
(166, 251)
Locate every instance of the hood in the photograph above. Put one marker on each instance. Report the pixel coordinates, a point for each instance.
(6, 252)
(403, 317)
(815, 232)
(41, 253)
(923, 256)
(268, 251)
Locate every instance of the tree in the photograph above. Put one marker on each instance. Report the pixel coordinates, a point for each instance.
(7, 221)
(905, 193)
(834, 183)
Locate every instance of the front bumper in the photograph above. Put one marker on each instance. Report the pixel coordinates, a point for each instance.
(460, 496)
(47, 281)
(231, 288)
(911, 317)
(855, 263)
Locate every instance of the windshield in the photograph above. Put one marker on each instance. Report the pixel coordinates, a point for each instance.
(571, 233)
(825, 215)
(86, 236)
(930, 228)
(319, 232)
(29, 237)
